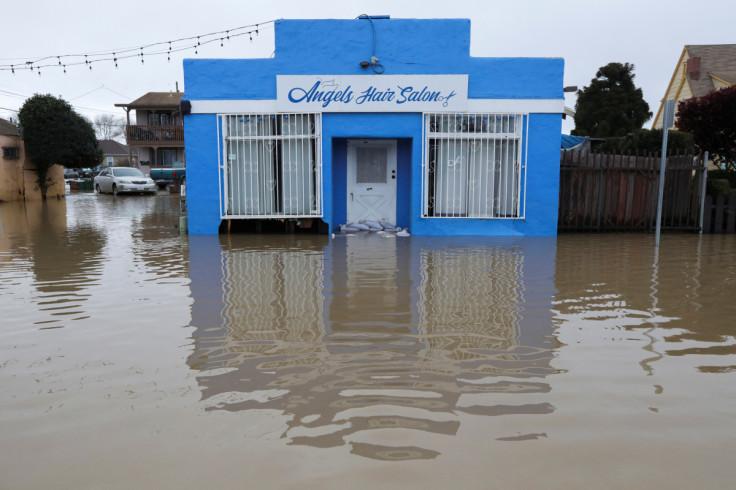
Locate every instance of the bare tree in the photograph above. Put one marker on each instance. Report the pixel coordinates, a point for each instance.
(108, 127)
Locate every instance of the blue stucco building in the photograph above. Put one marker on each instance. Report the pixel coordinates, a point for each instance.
(375, 119)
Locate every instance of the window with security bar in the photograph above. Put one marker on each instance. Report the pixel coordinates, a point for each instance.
(473, 166)
(271, 166)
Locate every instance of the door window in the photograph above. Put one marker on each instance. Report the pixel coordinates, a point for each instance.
(372, 164)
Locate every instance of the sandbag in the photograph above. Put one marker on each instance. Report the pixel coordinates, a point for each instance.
(373, 225)
(358, 226)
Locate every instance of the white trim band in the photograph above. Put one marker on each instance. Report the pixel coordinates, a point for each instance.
(528, 106)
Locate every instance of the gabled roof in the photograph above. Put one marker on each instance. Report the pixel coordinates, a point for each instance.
(717, 60)
(7, 128)
(700, 69)
(155, 100)
(112, 147)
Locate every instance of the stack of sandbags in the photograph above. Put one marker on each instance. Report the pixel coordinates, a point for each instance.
(366, 226)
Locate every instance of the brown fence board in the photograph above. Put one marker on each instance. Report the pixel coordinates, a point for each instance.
(720, 207)
(719, 215)
(614, 192)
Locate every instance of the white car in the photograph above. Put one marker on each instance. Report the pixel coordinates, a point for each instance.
(118, 180)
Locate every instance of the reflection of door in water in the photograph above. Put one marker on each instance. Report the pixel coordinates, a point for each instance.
(371, 187)
(369, 296)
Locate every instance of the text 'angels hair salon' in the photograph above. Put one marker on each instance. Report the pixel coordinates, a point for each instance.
(375, 120)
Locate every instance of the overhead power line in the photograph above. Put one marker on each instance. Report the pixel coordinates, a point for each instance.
(153, 49)
(101, 87)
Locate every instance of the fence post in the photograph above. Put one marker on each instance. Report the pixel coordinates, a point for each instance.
(702, 190)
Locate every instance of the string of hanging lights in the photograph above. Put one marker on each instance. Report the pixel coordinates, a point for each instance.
(154, 49)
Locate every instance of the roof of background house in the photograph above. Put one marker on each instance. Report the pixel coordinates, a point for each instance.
(7, 128)
(715, 59)
(112, 147)
(155, 100)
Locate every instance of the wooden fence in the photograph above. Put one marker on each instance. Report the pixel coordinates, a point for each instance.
(607, 192)
(719, 215)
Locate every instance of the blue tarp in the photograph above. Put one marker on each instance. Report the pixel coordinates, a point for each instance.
(572, 141)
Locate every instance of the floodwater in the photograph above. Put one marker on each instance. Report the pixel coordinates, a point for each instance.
(135, 357)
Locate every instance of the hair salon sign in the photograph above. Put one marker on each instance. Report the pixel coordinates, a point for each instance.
(372, 93)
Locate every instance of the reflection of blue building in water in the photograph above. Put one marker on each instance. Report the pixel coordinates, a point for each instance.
(351, 336)
(378, 119)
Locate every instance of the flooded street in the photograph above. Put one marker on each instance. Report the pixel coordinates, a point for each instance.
(133, 356)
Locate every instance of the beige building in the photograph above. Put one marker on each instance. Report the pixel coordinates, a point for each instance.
(18, 178)
(701, 69)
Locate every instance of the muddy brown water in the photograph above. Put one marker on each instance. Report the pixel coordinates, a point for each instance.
(135, 357)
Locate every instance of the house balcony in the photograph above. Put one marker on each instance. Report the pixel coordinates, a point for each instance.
(156, 136)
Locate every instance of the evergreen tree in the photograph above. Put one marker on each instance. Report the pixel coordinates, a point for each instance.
(53, 133)
(611, 105)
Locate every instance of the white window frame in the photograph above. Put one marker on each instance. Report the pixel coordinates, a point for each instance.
(472, 140)
(243, 196)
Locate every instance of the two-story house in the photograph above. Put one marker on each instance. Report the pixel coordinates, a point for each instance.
(701, 69)
(156, 132)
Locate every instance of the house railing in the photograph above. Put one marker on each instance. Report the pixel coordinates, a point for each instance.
(609, 192)
(146, 135)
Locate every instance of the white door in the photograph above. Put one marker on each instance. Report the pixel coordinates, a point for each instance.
(371, 183)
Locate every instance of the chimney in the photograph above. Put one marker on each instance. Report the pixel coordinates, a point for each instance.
(692, 68)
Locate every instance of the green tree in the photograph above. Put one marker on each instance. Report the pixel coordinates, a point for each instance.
(712, 121)
(611, 105)
(53, 133)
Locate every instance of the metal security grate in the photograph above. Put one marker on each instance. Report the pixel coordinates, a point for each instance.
(473, 166)
(270, 166)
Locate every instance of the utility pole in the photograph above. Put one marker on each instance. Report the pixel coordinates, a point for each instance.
(667, 122)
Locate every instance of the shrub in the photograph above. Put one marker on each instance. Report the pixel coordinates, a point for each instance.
(728, 175)
(718, 187)
(649, 141)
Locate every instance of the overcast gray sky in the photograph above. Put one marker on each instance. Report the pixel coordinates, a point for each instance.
(586, 33)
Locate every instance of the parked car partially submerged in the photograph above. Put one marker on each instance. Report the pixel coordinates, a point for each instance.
(118, 180)
(70, 174)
